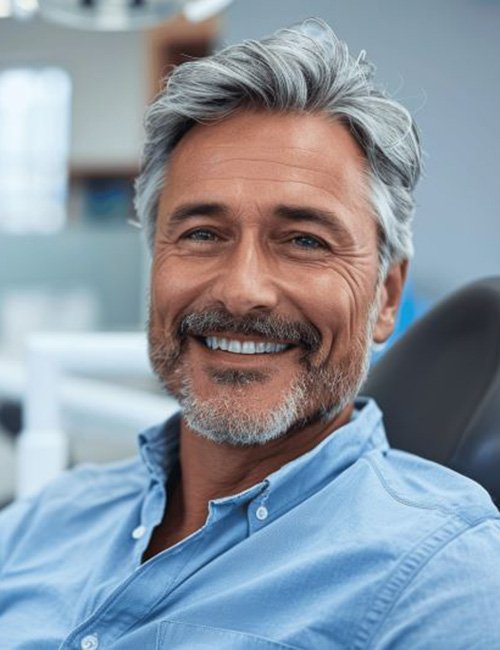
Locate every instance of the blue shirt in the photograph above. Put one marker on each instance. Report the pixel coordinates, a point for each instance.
(352, 545)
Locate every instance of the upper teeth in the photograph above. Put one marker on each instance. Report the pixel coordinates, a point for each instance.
(243, 347)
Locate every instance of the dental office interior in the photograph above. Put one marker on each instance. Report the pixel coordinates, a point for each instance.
(75, 78)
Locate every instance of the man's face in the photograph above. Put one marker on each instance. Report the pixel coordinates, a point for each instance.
(263, 296)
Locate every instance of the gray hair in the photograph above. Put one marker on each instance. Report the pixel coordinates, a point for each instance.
(303, 68)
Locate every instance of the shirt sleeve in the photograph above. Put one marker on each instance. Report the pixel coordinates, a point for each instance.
(21, 518)
(454, 600)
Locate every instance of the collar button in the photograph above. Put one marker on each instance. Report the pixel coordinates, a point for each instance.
(138, 532)
(89, 642)
(261, 513)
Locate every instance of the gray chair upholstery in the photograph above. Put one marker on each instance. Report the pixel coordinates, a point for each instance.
(439, 385)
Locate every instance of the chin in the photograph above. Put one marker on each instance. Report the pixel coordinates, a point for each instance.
(218, 419)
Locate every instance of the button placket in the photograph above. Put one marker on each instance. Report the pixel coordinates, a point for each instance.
(259, 511)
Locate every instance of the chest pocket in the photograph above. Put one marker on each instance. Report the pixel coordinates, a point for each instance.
(177, 635)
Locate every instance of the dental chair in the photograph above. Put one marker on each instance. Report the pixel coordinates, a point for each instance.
(439, 385)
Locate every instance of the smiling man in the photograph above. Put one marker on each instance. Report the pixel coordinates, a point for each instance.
(270, 512)
(265, 294)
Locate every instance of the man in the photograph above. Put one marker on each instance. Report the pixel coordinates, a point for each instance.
(270, 513)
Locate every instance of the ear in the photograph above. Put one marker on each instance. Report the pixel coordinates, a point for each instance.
(389, 298)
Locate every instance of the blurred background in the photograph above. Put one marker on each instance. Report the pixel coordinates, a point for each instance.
(75, 77)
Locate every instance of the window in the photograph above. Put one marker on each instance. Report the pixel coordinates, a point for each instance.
(35, 106)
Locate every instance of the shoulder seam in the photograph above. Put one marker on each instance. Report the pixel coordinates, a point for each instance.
(433, 506)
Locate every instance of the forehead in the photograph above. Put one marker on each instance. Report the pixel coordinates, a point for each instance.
(269, 157)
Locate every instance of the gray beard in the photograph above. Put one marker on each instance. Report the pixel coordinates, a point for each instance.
(319, 393)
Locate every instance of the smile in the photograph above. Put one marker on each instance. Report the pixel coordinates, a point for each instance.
(244, 347)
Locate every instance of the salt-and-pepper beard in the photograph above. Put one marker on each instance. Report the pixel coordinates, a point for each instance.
(320, 392)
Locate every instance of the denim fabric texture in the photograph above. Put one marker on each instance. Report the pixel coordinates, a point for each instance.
(351, 546)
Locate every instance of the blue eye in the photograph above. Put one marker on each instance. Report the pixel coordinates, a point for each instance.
(201, 234)
(307, 241)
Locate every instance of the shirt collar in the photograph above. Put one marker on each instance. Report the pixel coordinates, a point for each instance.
(308, 473)
(159, 449)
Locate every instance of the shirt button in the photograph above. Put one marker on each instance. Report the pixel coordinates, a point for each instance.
(261, 513)
(138, 532)
(89, 642)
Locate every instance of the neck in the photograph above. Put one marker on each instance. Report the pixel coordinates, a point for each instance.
(212, 470)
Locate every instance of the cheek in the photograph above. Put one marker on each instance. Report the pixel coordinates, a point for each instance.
(175, 285)
(330, 303)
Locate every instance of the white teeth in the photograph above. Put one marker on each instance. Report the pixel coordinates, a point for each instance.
(234, 346)
(243, 347)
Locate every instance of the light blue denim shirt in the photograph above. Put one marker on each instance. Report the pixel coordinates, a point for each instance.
(352, 545)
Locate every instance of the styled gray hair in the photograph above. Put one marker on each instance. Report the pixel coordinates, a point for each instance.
(303, 68)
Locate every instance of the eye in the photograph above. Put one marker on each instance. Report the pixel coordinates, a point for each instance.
(201, 235)
(308, 241)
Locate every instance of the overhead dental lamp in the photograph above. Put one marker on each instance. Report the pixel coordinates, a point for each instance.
(122, 15)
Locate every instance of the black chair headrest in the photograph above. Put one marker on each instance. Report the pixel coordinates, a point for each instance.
(439, 385)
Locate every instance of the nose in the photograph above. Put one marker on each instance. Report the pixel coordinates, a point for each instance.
(246, 282)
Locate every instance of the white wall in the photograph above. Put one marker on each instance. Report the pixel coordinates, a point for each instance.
(108, 72)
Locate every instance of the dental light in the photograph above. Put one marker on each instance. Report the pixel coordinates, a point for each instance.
(122, 15)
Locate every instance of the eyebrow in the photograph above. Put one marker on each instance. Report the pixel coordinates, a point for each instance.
(189, 210)
(325, 218)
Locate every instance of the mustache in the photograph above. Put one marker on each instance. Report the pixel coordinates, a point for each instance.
(217, 321)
